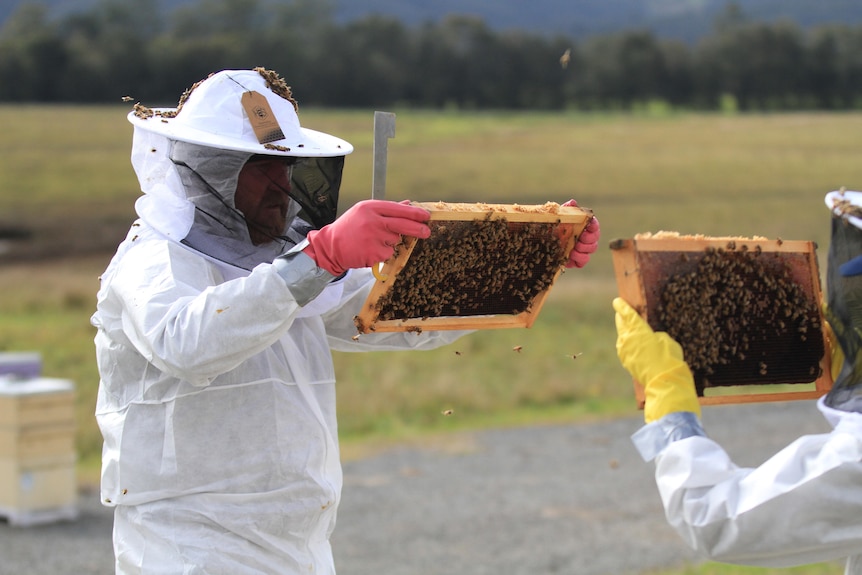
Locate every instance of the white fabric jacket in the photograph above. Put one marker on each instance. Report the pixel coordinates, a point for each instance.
(803, 505)
(217, 406)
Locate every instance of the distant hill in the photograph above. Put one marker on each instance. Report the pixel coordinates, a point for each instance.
(685, 20)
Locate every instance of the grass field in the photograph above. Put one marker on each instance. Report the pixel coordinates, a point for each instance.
(65, 175)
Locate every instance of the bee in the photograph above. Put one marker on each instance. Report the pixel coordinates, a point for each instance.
(127, 98)
(448, 412)
(517, 348)
(575, 355)
(565, 58)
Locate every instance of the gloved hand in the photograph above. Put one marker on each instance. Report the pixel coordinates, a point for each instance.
(365, 235)
(656, 361)
(586, 244)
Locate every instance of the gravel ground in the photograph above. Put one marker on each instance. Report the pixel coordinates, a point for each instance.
(570, 499)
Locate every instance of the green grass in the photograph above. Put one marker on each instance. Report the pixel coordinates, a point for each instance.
(566, 368)
(65, 173)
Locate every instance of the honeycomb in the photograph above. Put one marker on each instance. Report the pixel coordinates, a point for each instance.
(478, 267)
(741, 318)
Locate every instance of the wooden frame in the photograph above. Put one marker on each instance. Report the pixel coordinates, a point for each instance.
(567, 222)
(644, 263)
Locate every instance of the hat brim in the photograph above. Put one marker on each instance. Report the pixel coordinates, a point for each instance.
(854, 198)
(314, 144)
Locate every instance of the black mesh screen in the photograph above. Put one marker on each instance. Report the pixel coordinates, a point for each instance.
(315, 184)
(844, 313)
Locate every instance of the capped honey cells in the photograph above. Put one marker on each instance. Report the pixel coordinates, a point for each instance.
(475, 267)
(740, 317)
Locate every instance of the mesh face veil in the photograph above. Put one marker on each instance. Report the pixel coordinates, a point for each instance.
(844, 300)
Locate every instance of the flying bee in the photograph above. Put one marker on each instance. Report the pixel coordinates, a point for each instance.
(565, 58)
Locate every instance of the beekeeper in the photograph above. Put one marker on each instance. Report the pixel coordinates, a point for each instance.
(215, 321)
(801, 506)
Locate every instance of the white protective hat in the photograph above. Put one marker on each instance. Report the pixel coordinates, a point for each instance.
(211, 113)
(847, 205)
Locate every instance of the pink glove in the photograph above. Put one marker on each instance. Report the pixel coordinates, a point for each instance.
(365, 235)
(587, 243)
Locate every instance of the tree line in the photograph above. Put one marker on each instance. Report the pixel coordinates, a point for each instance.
(129, 48)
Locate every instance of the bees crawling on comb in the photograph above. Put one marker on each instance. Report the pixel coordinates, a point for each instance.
(735, 309)
(475, 267)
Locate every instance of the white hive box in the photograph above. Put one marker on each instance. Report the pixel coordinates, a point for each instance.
(37, 450)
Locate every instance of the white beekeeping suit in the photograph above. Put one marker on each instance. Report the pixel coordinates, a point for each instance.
(804, 504)
(217, 392)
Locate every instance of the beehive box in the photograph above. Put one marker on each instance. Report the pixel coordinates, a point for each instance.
(37, 451)
(485, 266)
(29, 444)
(38, 491)
(746, 311)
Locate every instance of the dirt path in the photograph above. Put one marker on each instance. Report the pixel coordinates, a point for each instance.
(570, 499)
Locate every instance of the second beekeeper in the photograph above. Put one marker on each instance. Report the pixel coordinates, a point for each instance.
(803, 504)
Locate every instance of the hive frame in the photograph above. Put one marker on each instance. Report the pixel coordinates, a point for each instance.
(573, 220)
(626, 255)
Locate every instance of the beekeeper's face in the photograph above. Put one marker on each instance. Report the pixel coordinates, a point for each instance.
(262, 196)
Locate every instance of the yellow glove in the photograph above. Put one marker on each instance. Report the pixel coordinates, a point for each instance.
(656, 361)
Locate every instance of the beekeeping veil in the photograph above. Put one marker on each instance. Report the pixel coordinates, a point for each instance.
(844, 296)
(188, 160)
